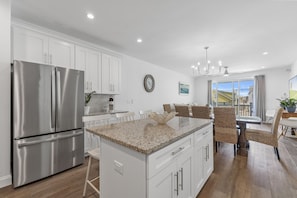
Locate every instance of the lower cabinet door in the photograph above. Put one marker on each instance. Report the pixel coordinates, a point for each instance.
(199, 159)
(164, 184)
(185, 177)
(208, 166)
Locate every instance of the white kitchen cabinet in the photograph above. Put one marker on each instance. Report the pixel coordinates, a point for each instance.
(203, 157)
(175, 178)
(208, 163)
(61, 53)
(89, 61)
(35, 47)
(185, 170)
(168, 173)
(164, 184)
(111, 74)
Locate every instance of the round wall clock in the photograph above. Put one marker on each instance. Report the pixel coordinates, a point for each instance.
(149, 83)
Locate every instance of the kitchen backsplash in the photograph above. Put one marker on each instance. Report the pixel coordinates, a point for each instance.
(99, 103)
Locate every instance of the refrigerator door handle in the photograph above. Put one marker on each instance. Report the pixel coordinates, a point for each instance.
(58, 97)
(49, 139)
(53, 100)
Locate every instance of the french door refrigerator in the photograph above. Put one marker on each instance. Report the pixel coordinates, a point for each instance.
(47, 128)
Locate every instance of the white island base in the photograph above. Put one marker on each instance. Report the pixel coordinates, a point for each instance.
(178, 170)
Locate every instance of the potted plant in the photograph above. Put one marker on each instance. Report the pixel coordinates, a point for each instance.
(88, 97)
(289, 104)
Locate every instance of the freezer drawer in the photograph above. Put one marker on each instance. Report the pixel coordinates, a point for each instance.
(39, 157)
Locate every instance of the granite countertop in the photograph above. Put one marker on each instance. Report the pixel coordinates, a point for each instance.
(147, 136)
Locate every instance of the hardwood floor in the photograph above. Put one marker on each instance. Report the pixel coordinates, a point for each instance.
(259, 175)
(68, 184)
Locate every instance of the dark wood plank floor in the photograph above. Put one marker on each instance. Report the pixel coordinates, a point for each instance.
(259, 175)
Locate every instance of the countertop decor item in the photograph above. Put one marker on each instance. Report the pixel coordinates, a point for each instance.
(88, 97)
(162, 118)
(149, 83)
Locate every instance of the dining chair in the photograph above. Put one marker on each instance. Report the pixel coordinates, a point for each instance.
(201, 112)
(182, 110)
(144, 114)
(267, 137)
(225, 129)
(125, 117)
(94, 154)
(167, 108)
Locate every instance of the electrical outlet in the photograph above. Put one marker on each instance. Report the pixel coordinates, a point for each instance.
(118, 167)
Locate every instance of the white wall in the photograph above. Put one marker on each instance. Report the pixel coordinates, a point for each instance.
(293, 70)
(5, 178)
(133, 96)
(276, 84)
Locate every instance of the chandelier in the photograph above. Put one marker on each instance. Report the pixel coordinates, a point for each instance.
(209, 68)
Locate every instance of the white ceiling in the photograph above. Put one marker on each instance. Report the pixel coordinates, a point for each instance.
(174, 32)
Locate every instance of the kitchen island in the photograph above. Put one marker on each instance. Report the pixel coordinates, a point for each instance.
(144, 159)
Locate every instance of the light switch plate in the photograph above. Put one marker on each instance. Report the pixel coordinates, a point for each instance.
(118, 167)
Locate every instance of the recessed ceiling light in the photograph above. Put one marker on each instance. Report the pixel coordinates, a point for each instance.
(139, 40)
(264, 53)
(90, 16)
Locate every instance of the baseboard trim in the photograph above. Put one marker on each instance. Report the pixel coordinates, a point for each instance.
(5, 181)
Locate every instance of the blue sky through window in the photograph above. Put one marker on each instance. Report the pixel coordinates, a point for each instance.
(228, 86)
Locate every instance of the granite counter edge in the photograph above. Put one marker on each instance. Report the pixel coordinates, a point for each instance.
(150, 150)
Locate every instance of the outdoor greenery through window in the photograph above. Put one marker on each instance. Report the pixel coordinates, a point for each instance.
(238, 94)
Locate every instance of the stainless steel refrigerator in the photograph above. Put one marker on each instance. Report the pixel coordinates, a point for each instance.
(47, 128)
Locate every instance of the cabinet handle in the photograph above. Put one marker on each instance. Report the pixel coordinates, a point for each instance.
(176, 183)
(207, 152)
(182, 178)
(177, 151)
(50, 59)
(91, 85)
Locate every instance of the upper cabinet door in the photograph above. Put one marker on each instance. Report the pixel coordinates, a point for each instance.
(36, 47)
(93, 70)
(80, 58)
(111, 74)
(115, 74)
(61, 53)
(90, 61)
(106, 87)
(30, 46)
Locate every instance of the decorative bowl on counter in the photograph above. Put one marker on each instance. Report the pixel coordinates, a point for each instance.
(162, 118)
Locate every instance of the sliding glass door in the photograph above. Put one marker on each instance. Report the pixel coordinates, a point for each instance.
(238, 94)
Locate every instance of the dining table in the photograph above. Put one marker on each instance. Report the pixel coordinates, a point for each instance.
(287, 123)
(242, 122)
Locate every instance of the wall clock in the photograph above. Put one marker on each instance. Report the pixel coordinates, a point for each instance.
(149, 83)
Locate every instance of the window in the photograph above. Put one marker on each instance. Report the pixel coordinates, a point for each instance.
(238, 94)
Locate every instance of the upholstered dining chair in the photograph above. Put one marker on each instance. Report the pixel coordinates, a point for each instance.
(94, 154)
(182, 110)
(167, 108)
(201, 112)
(125, 117)
(267, 137)
(225, 126)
